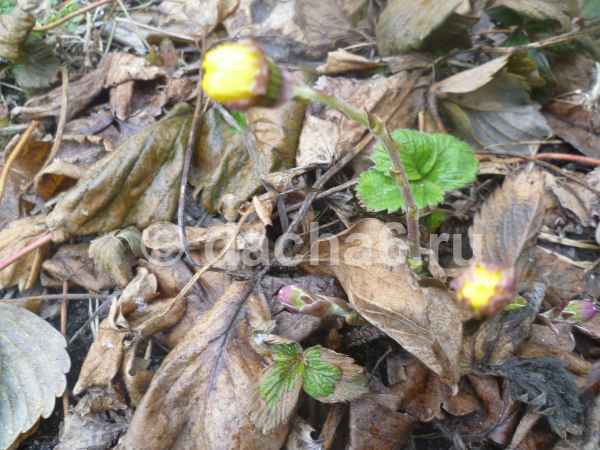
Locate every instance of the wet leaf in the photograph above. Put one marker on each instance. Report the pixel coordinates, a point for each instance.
(34, 363)
(545, 385)
(425, 321)
(405, 24)
(136, 185)
(207, 383)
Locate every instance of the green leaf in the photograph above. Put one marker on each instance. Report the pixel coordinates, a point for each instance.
(285, 373)
(379, 192)
(320, 377)
(434, 164)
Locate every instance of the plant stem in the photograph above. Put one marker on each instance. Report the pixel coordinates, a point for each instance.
(378, 129)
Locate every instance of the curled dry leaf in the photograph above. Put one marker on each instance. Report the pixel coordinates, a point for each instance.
(509, 222)
(341, 61)
(425, 321)
(496, 113)
(136, 185)
(33, 363)
(113, 255)
(542, 10)
(207, 383)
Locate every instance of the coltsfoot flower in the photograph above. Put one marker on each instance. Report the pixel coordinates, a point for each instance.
(486, 289)
(239, 75)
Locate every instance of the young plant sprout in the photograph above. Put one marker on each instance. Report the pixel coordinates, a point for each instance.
(412, 170)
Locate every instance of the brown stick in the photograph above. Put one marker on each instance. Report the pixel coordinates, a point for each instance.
(568, 157)
(23, 141)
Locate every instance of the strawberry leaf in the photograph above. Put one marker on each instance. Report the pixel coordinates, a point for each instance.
(320, 377)
(434, 163)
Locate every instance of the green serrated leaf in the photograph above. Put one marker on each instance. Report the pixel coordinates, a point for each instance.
(320, 377)
(285, 373)
(378, 192)
(434, 163)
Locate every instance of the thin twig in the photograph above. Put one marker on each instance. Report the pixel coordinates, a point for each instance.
(187, 162)
(103, 307)
(34, 245)
(569, 157)
(58, 297)
(64, 317)
(184, 291)
(70, 16)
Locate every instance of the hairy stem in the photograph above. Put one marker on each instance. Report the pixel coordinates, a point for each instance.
(378, 129)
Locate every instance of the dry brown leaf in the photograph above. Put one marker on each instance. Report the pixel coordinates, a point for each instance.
(298, 28)
(472, 79)
(509, 221)
(15, 237)
(375, 427)
(423, 394)
(207, 383)
(115, 69)
(14, 29)
(136, 185)
(557, 10)
(341, 61)
(18, 176)
(405, 24)
(500, 337)
(301, 437)
(195, 18)
(397, 100)
(229, 165)
(71, 263)
(425, 321)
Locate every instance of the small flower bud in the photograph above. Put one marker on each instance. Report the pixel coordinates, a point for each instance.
(576, 311)
(296, 299)
(239, 75)
(484, 288)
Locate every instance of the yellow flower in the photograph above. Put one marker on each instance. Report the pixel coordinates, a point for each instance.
(239, 75)
(484, 288)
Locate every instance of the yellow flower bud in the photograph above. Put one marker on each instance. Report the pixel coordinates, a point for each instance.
(484, 288)
(239, 75)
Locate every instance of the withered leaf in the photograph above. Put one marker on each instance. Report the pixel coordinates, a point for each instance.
(425, 321)
(71, 263)
(546, 385)
(14, 29)
(300, 437)
(373, 426)
(38, 68)
(135, 185)
(196, 18)
(404, 24)
(509, 221)
(498, 115)
(33, 364)
(230, 165)
(207, 384)
(498, 338)
(16, 236)
(556, 10)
